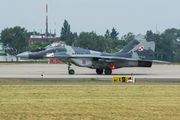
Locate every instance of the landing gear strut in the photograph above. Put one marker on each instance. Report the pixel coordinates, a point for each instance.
(71, 71)
(99, 71)
(108, 71)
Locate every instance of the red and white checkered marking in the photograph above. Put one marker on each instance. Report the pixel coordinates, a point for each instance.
(141, 48)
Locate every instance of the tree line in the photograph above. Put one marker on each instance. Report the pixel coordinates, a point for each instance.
(16, 40)
(167, 43)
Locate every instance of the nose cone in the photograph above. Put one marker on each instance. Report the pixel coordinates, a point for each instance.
(23, 55)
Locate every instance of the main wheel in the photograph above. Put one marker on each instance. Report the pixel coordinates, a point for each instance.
(71, 71)
(108, 71)
(99, 71)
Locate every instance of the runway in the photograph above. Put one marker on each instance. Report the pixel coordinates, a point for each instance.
(60, 72)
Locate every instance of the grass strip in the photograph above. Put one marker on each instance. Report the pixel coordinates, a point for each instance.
(154, 81)
(89, 102)
(77, 81)
(166, 63)
(50, 81)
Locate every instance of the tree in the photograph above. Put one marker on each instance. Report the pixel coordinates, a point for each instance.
(14, 40)
(107, 34)
(167, 47)
(90, 40)
(128, 37)
(34, 47)
(70, 39)
(28, 34)
(65, 31)
(172, 31)
(66, 34)
(39, 44)
(108, 46)
(46, 44)
(164, 46)
(75, 35)
(114, 34)
(114, 45)
(118, 48)
(149, 32)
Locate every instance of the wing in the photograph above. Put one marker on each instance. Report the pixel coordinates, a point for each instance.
(159, 61)
(116, 59)
(102, 58)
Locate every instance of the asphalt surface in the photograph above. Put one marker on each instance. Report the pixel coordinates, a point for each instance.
(60, 72)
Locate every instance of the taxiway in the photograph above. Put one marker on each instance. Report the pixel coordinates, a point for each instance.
(59, 71)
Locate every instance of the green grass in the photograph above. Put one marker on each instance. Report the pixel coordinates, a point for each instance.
(166, 63)
(155, 81)
(89, 102)
(93, 80)
(50, 81)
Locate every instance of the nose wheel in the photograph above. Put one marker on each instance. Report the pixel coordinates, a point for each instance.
(71, 71)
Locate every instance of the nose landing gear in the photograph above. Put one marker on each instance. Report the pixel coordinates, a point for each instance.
(71, 71)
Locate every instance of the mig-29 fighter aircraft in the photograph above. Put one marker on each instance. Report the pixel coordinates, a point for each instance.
(138, 53)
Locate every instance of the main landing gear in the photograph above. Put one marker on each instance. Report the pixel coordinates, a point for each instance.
(71, 71)
(99, 71)
(108, 71)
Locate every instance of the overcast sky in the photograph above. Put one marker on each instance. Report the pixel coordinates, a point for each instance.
(135, 16)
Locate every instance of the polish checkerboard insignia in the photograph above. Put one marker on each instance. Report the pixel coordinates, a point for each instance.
(141, 48)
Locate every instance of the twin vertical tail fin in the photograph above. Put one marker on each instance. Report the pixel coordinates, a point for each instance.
(140, 48)
(145, 49)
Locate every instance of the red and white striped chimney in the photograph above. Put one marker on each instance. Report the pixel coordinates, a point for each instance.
(46, 20)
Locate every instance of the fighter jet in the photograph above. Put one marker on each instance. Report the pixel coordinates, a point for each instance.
(138, 53)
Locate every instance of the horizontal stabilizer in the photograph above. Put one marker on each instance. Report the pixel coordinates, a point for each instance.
(159, 61)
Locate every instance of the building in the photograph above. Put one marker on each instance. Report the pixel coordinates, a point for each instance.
(47, 37)
(4, 56)
(42, 39)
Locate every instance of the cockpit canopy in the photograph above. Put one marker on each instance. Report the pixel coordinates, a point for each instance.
(54, 45)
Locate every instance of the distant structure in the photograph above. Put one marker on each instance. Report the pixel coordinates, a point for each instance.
(46, 37)
(5, 56)
(54, 29)
(46, 20)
